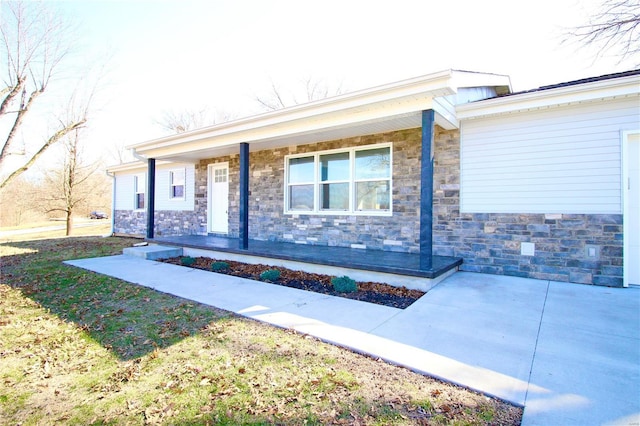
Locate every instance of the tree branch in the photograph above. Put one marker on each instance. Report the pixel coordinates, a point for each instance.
(13, 92)
(53, 139)
(614, 27)
(16, 125)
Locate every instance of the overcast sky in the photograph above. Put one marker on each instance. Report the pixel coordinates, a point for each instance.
(176, 54)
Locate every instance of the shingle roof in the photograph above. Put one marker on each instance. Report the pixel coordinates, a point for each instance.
(577, 82)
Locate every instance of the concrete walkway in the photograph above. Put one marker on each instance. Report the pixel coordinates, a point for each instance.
(569, 353)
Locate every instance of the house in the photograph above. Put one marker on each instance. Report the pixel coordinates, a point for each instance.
(540, 184)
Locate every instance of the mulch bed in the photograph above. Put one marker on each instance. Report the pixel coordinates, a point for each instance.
(381, 294)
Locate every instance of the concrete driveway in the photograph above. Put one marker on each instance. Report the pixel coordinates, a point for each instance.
(569, 353)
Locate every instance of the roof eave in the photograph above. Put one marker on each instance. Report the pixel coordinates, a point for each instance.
(343, 101)
(596, 90)
(133, 165)
(378, 103)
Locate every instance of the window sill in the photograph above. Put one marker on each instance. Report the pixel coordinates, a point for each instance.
(388, 213)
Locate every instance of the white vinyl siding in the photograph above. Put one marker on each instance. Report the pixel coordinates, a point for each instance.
(124, 192)
(164, 201)
(125, 189)
(557, 160)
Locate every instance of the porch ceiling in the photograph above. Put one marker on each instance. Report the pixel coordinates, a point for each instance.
(392, 107)
(215, 147)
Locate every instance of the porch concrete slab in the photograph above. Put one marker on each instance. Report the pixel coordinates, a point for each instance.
(394, 263)
(588, 358)
(412, 282)
(153, 251)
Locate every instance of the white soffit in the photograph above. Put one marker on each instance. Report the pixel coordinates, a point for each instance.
(207, 149)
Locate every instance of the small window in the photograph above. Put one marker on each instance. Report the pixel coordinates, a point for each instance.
(220, 175)
(139, 190)
(354, 180)
(176, 178)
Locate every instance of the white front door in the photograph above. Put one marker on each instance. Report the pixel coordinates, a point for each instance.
(631, 190)
(218, 200)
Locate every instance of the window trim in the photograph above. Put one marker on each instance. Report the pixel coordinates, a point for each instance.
(317, 183)
(184, 184)
(137, 190)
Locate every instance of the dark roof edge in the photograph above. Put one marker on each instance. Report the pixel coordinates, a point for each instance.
(577, 82)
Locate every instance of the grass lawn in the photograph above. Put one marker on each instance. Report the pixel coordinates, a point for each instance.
(82, 348)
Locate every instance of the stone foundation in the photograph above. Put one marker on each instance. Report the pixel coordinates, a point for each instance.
(130, 222)
(166, 223)
(492, 243)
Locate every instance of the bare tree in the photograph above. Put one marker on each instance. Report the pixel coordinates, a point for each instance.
(35, 41)
(309, 90)
(119, 154)
(17, 203)
(189, 119)
(614, 27)
(69, 187)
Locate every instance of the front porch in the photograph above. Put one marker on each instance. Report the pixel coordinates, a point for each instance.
(405, 265)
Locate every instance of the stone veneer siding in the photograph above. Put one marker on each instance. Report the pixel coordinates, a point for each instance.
(167, 222)
(491, 242)
(267, 220)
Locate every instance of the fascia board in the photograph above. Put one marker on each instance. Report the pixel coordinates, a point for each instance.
(460, 79)
(447, 112)
(126, 167)
(551, 97)
(133, 166)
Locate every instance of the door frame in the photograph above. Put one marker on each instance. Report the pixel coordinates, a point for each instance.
(210, 168)
(625, 205)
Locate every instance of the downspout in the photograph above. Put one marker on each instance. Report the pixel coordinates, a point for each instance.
(113, 202)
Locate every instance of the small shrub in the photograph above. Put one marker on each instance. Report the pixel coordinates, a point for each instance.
(271, 275)
(187, 260)
(219, 266)
(344, 284)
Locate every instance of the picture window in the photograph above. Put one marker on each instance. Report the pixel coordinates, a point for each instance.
(355, 180)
